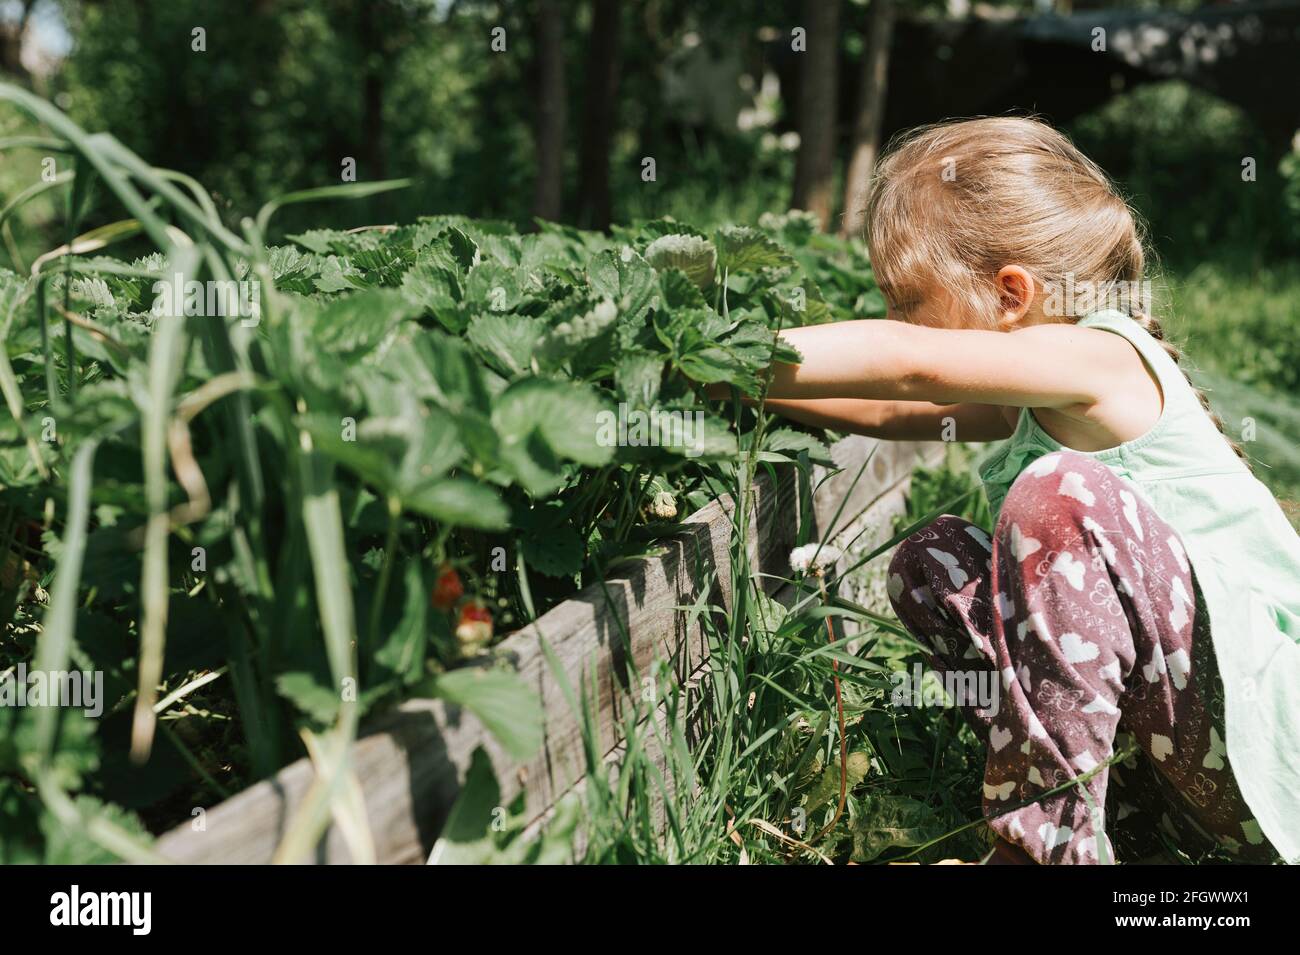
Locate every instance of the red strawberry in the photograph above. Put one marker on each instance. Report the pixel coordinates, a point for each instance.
(474, 627)
(448, 588)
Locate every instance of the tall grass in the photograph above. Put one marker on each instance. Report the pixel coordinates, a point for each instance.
(744, 765)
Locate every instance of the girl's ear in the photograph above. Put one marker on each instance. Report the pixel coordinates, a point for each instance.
(1016, 293)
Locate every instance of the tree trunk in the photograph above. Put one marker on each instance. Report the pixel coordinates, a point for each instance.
(598, 124)
(815, 164)
(11, 42)
(870, 115)
(372, 95)
(550, 118)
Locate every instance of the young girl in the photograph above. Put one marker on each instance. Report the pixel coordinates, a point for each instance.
(1139, 585)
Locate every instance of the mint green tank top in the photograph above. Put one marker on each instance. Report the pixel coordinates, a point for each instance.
(1246, 557)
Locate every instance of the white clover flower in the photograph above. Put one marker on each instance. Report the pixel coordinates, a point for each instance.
(693, 255)
(796, 222)
(664, 506)
(814, 558)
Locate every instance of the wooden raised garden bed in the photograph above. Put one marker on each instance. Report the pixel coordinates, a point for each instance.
(411, 762)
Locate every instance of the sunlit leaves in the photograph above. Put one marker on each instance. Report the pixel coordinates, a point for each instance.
(507, 342)
(695, 257)
(628, 280)
(504, 704)
(460, 502)
(566, 337)
(353, 325)
(742, 249)
(545, 422)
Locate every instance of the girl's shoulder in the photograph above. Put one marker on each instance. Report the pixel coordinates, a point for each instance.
(1152, 350)
(1182, 442)
(1179, 397)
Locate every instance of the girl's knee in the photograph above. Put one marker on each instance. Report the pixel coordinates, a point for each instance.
(906, 569)
(944, 557)
(946, 533)
(1057, 490)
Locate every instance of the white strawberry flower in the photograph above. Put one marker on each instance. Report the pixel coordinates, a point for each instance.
(814, 558)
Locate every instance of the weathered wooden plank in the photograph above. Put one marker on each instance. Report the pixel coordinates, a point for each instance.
(411, 762)
(887, 463)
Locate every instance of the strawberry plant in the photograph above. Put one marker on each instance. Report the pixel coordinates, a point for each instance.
(260, 525)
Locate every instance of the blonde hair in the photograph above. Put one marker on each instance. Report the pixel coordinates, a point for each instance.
(954, 202)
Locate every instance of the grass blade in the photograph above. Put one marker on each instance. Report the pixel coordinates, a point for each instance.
(349, 190)
(165, 353)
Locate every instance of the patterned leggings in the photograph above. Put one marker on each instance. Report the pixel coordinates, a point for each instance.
(1085, 607)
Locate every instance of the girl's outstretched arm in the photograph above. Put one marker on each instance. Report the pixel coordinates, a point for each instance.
(897, 420)
(1055, 365)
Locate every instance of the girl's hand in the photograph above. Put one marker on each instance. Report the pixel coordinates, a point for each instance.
(890, 420)
(900, 420)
